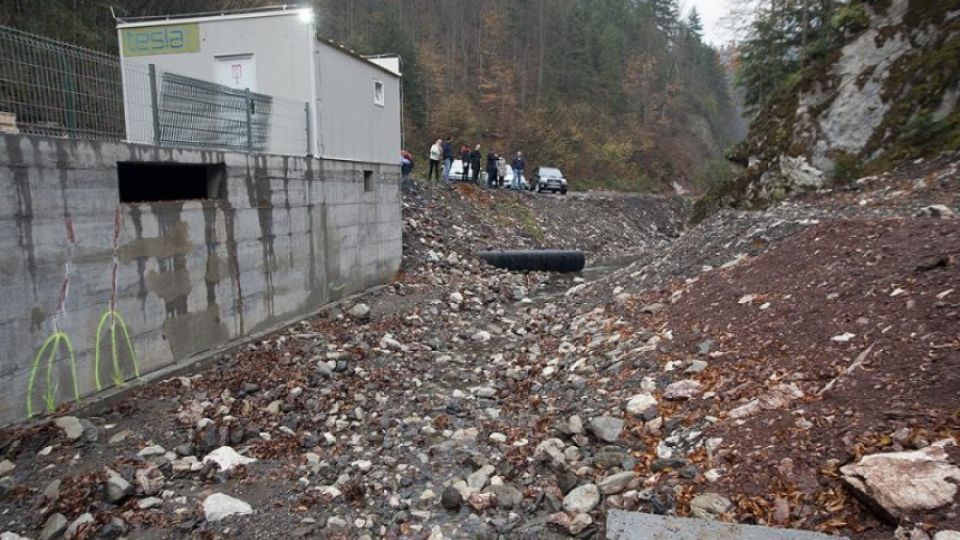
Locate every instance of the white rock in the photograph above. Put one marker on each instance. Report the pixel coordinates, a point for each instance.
(799, 173)
(227, 458)
(743, 411)
(579, 523)
(151, 451)
(615, 483)
(149, 481)
(360, 312)
(550, 450)
(904, 482)
(680, 390)
(54, 527)
(70, 425)
(219, 506)
(74, 527)
(843, 338)
(329, 491)
(582, 499)
(639, 403)
(12, 536)
(947, 535)
(936, 211)
(709, 506)
(606, 428)
(479, 478)
(572, 291)
(712, 475)
(117, 486)
(485, 392)
(696, 366)
(363, 464)
(482, 336)
(6, 467)
(149, 502)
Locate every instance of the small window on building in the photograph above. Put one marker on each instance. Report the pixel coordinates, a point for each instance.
(156, 182)
(378, 93)
(368, 180)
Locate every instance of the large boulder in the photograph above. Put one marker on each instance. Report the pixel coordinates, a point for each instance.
(227, 458)
(70, 426)
(606, 428)
(897, 484)
(709, 506)
(219, 506)
(640, 403)
(582, 499)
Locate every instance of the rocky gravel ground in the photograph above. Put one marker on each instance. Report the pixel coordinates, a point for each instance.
(795, 367)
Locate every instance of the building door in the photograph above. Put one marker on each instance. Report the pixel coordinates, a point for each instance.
(237, 71)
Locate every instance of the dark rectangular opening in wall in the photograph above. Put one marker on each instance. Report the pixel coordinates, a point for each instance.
(368, 180)
(154, 182)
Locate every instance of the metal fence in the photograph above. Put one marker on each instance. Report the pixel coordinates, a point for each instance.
(56, 89)
(59, 90)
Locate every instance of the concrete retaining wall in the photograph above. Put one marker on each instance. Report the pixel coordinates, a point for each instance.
(287, 236)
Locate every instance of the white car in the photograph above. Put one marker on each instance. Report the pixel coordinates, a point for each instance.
(456, 171)
(456, 174)
(508, 181)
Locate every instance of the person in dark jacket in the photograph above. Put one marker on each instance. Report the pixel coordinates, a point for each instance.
(465, 161)
(447, 158)
(518, 165)
(492, 159)
(406, 165)
(476, 159)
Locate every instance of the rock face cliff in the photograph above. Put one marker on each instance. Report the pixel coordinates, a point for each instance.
(888, 94)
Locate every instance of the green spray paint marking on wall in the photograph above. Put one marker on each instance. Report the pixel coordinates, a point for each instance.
(50, 393)
(117, 374)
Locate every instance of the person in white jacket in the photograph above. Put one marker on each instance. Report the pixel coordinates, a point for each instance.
(436, 151)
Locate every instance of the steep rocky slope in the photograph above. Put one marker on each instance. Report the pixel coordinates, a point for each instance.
(887, 95)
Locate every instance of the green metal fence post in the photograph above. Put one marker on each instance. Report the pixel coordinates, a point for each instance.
(154, 104)
(249, 102)
(69, 89)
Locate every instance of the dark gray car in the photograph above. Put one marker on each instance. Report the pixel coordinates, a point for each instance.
(549, 179)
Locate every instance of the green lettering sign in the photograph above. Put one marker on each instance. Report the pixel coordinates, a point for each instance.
(167, 39)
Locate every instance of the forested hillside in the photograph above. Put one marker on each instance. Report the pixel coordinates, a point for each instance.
(619, 93)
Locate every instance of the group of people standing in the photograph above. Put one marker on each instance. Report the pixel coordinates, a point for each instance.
(472, 160)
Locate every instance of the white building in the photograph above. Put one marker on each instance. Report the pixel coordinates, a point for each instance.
(350, 105)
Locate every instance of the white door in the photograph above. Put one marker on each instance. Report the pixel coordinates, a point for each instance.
(237, 71)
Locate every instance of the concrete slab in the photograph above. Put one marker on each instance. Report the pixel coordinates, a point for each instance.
(639, 526)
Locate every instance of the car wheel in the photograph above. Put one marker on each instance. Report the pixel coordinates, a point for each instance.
(563, 191)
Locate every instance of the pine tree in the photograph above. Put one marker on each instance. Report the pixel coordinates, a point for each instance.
(694, 24)
(666, 14)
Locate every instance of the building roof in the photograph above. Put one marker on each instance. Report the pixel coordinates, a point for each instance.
(251, 13)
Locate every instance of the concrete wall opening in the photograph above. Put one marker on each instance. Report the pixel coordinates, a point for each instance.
(368, 180)
(157, 182)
